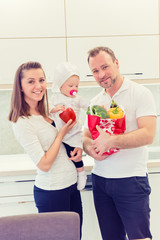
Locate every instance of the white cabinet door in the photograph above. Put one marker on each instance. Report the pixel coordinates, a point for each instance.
(138, 55)
(90, 229)
(17, 205)
(48, 51)
(102, 17)
(16, 198)
(154, 180)
(28, 18)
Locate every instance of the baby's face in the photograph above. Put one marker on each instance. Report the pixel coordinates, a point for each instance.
(70, 84)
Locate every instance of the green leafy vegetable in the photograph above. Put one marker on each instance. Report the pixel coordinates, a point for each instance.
(98, 111)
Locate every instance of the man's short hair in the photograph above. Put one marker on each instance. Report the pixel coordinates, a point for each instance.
(95, 51)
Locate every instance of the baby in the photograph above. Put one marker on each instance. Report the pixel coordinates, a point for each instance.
(66, 81)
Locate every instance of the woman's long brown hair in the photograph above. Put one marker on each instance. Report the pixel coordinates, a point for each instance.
(19, 108)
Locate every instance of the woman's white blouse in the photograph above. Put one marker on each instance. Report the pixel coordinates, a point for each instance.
(36, 136)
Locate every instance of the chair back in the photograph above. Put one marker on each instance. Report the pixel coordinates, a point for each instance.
(41, 226)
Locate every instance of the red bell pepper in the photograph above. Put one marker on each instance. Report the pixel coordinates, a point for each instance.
(68, 114)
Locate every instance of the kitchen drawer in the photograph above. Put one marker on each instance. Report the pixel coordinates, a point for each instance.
(17, 208)
(19, 188)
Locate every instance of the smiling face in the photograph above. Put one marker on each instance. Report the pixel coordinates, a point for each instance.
(104, 69)
(33, 84)
(69, 85)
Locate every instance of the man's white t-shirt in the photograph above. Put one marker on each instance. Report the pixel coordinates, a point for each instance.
(137, 101)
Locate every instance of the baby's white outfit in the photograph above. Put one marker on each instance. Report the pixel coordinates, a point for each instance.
(74, 136)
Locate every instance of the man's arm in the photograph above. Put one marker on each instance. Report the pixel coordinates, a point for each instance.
(144, 135)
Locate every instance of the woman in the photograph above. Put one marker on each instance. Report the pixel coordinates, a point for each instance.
(55, 186)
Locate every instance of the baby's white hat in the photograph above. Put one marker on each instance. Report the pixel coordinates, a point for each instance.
(62, 72)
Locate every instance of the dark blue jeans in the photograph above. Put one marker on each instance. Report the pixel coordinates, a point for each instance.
(122, 206)
(67, 199)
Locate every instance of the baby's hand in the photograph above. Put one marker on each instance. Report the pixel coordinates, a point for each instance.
(58, 108)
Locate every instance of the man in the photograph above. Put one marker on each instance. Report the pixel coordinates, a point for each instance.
(120, 182)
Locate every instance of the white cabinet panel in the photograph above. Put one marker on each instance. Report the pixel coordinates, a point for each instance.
(16, 198)
(16, 189)
(17, 208)
(136, 54)
(155, 204)
(104, 17)
(90, 227)
(49, 52)
(28, 18)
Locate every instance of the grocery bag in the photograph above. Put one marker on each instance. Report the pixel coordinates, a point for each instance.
(111, 126)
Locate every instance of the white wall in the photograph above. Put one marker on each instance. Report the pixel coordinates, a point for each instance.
(51, 31)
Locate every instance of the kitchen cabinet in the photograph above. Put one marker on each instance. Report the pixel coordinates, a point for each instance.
(131, 51)
(19, 51)
(59, 30)
(27, 18)
(101, 17)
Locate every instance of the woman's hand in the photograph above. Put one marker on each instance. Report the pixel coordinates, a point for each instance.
(67, 127)
(76, 154)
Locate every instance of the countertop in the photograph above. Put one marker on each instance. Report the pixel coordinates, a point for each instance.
(21, 164)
